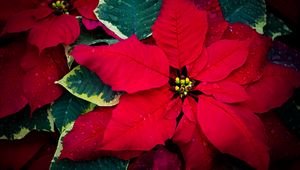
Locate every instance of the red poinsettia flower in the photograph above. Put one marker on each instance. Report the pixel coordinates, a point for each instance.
(182, 89)
(50, 23)
(28, 77)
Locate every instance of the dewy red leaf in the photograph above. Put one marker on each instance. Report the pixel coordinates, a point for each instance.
(126, 66)
(138, 122)
(86, 8)
(173, 108)
(253, 68)
(180, 40)
(54, 30)
(197, 152)
(224, 57)
(274, 88)
(199, 64)
(189, 108)
(224, 91)
(88, 130)
(41, 73)
(234, 131)
(11, 74)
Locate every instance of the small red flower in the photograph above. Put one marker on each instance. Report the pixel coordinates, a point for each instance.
(52, 22)
(208, 95)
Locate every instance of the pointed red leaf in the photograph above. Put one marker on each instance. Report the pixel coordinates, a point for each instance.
(177, 33)
(234, 130)
(11, 75)
(54, 30)
(173, 108)
(252, 70)
(198, 65)
(81, 142)
(88, 131)
(25, 20)
(224, 57)
(138, 122)
(189, 108)
(126, 66)
(273, 89)
(185, 131)
(224, 91)
(197, 152)
(86, 8)
(41, 73)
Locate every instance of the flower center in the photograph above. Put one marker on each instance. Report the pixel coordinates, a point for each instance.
(60, 7)
(183, 85)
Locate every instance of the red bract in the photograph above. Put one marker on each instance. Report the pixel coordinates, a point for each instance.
(29, 78)
(210, 85)
(35, 150)
(50, 23)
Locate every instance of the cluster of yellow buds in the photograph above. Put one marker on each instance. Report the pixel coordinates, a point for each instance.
(61, 7)
(183, 85)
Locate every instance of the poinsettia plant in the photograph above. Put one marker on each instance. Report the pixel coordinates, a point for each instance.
(158, 84)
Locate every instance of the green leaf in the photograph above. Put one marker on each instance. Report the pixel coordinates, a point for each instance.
(128, 17)
(275, 27)
(86, 85)
(250, 12)
(68, 108)
(108, 163)
(65, 130)
(20, 124)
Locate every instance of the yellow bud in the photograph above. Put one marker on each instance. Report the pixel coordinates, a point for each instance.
(177, 80)
(185, 93)
(177, 88)
(53, 5)
(187, 81)
(182, 81)
(58, 3)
